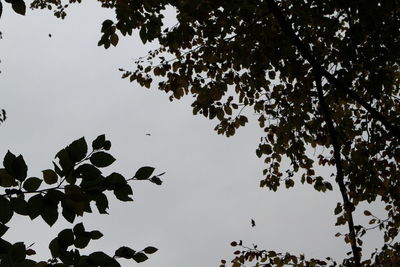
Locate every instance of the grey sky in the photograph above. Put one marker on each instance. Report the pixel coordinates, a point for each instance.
(58, 89)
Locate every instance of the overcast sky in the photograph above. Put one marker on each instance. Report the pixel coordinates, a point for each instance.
(60, 88)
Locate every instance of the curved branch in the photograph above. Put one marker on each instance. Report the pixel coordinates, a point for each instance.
(339, 169)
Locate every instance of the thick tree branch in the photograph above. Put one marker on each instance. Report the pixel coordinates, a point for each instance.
(339, 169)
(307, 54)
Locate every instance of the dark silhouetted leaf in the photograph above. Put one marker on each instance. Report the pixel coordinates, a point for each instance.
(144, 173)
(125, 252)
(139, 257)
(101, 159)
(78, 149)
(19, 205)
(50, 214)
(150, 250)
(35, 206)
(32, 184)
(6, 211)
(49, 176)
(66, 238)
(19, 6)
(95, 235)
(99, 142)
(17, 252)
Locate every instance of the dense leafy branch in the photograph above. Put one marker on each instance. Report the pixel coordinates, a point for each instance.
(307, 54)
(79, 184)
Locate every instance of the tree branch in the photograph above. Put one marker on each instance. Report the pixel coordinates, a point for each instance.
(339, 169)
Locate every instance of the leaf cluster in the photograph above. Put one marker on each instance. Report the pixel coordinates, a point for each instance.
(71, 188)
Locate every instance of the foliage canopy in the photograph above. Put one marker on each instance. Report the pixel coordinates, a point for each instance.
(318, 74)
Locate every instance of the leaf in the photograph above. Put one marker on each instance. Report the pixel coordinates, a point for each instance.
(15, 166)
(99, 259)
(107, 145)
(367, 213)
(101, 159)
(6, 211)
(144, 173)
(6, 180)
(123, 193)
(8, 162)
(338, 209)
(54, 248)
(95, 235)
(79, 229)
(101, 203)
(114, 39)
(87, 171)
(99, 142)
(69, 214)
(19, 205)
(20, 169)
(82, 241)
(66, 162)
(32, 184)
(125, 252)
(156, 180)
(139, 257)
(66, 238)
(35, 206)
(49, 176)
(150, 250)
(78, 149)
(50, 214)
(115, 180)
(19, 6)
(3, 229)
(17, 252)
